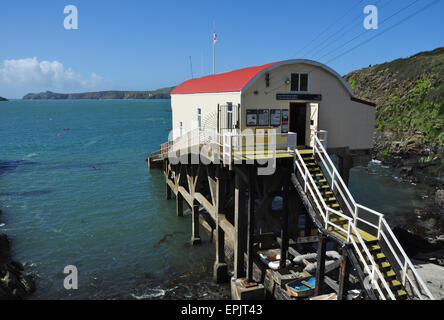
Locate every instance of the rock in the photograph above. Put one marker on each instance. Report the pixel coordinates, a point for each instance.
(433, 276)
(13, 283)
(439, 198)
(413, 244)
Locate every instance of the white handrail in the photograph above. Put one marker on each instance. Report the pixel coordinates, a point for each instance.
(324, 212)
(320, 151)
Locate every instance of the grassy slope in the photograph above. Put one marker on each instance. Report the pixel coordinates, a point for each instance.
(408, 92)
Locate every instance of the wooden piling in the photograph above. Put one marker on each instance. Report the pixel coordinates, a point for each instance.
(251, 204)
(320, 270)
(344, 271)
(284, 224)
(179, 204)
(167, 191)
(240, 235)
(220, 269)
(195, 238)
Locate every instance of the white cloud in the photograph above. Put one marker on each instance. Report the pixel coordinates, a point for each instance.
(30, 72)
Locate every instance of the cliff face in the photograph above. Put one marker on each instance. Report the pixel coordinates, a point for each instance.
(3, 99)
(409, 95)
(163, 93)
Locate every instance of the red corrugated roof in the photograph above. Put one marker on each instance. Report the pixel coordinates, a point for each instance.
(231, 81)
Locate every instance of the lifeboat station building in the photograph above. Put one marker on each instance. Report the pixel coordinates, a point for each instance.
(293, 96)
(268, 226)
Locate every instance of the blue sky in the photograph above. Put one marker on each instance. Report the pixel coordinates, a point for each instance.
(142, 45)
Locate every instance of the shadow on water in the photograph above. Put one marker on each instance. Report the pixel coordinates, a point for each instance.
(26, 193)
(9, 166)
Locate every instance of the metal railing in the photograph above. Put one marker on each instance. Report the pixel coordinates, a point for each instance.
(258, 143)
(351, 232)
(367, 218)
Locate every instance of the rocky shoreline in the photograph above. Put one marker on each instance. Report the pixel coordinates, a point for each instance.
(14, 283)
(419, 163)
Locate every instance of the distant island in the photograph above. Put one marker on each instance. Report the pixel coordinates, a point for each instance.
(163, 93)
(3, 99)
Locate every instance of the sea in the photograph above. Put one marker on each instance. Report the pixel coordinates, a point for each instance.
(75, 191)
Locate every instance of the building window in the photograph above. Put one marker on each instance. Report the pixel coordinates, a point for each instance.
(299, 82)
(229, 115)
(181, 128)
(199, 118)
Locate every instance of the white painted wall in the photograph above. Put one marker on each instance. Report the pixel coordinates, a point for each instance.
(348, 123)
(184, 108)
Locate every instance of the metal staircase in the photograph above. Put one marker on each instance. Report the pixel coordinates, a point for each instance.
(389, 272)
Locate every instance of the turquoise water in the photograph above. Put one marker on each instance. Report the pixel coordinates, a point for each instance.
(85, 198)
(59, 210)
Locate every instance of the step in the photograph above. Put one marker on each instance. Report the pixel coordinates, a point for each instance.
(333, 205)
(399, 295)
(317, 175)
(378, 257)
(368, 238)
(321, 181)
(337, 220)
(311, 164)
(374, 248)
(389, 274)
(384, 265)
(314, 169)
(330, 199)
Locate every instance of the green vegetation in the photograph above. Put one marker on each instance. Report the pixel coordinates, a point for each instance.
(408, 93)
(163, 93)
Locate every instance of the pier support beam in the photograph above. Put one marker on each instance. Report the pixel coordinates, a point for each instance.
(345, 163)
(220, 269)
(179, 204)
(344, 272)
(320, 270)
(239, 223)
(251, 204)
(167, 191)
(195, 237)
(284, 225)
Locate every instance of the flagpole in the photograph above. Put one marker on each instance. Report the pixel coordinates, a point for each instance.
(214, 54)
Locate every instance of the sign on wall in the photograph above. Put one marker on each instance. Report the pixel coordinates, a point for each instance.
(275, 117)
(284, 126)
(263, 118)
(298, 96)
(251, 117)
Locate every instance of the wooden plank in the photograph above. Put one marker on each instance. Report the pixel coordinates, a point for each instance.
(172, 186)
(227, 227)
(343, 276)
(188, 198)
(331, 283)
(206, 204)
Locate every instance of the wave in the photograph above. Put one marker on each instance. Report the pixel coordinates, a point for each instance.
(152, 293)
(31, 155)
